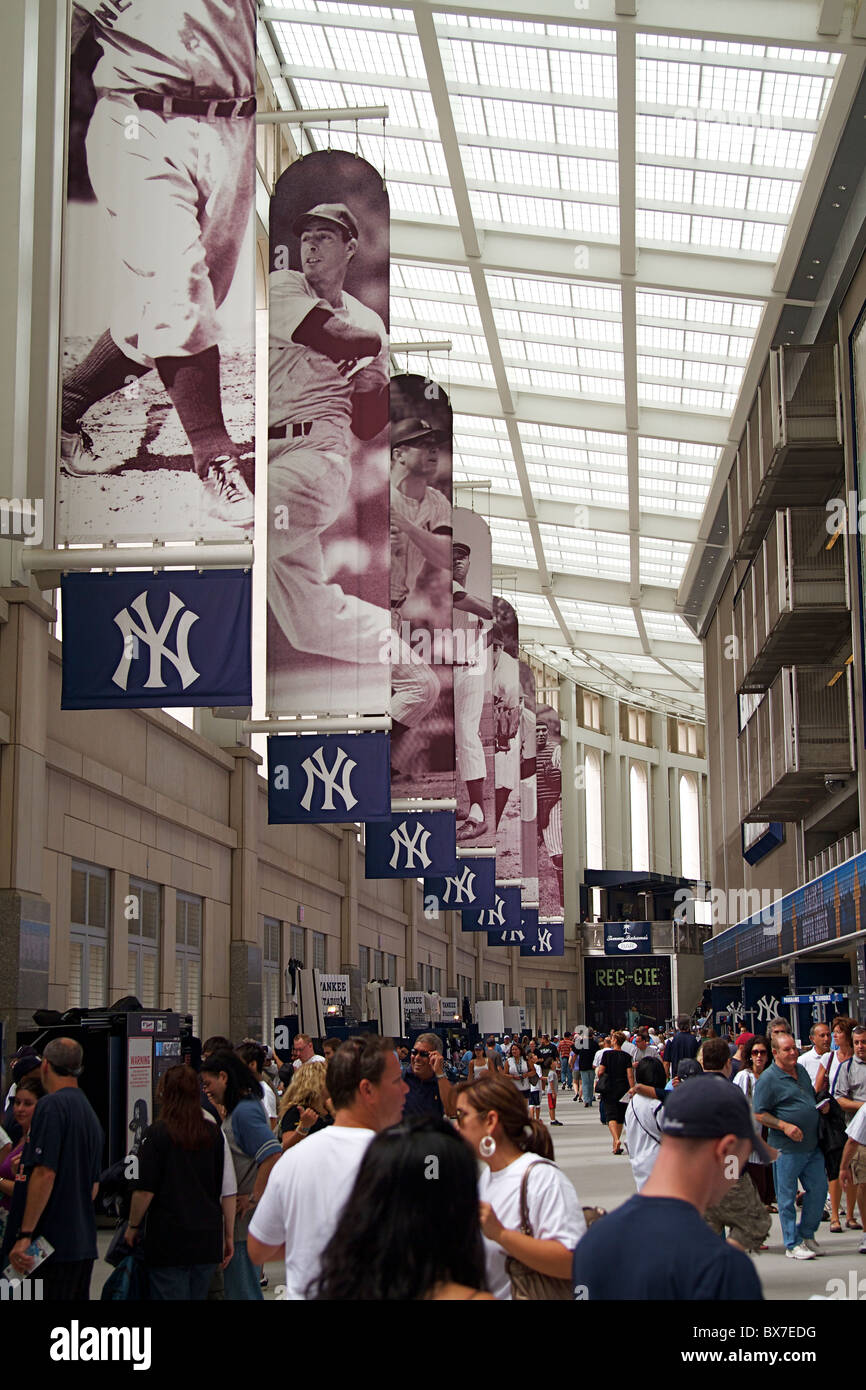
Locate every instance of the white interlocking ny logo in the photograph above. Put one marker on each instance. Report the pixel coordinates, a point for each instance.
(768, 1008)
(415, 845)
(493, 916)
(316, 767)
(156, 641)
(545, 940)
(509, 938)
(464, 887)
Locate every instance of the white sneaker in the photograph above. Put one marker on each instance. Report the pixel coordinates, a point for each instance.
(77, 458)
(814, 1247)
(800, 1252)
(861, 1249)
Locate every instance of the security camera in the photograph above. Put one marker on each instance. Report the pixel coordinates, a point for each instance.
(835, 784)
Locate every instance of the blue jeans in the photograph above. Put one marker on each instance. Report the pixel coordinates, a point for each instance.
(587, 1081)
(171, 1282)
(241, 1277)
(809, 1169)
(566, 1072)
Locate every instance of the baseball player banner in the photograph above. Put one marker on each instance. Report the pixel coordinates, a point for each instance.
(412, 845)
(473, 679)
(145, 641)
(329, 618)
(545, 938)
(548, 771)
(505, 679)
(314, 778)
(472, 887)
(504, 915)
(422, 655)
(528, 798)
(158, 296)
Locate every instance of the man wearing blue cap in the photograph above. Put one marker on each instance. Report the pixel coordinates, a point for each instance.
(707, 1137)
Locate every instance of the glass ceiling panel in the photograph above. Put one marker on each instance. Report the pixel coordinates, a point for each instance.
(724, 134)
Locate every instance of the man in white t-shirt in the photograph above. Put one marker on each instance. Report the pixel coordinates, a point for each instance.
(818, 1053)
(303, 1051)
(309, 1185)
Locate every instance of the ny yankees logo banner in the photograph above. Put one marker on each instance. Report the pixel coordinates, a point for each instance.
(528, 806)
(144, 641)
(329, 614)
(543, 938)
(473, 680)
(507, 709)
(412, 845)
(421, 639)
(472, 887)
(504, 915)
(158, 292)
(548, 771)
(336, 777)
(524, 933)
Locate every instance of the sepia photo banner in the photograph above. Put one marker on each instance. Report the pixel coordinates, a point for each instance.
(473, 680)
(157, 419)
(329, 605)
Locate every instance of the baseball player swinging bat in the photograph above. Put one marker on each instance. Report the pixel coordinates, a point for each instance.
(171, 159)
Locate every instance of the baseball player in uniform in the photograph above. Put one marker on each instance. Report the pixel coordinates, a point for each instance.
(548, 762)
(420, 535)
(171, 158)
(506, 710)
(328, 379)
(470, 684)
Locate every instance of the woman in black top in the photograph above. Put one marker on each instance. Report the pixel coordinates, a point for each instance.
(306, 1106)
(616, 1066)
(186, 1188)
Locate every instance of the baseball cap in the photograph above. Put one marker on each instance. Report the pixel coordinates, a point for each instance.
(460, 550)
(710, 1108)
(337, 213)
(744, 1038)
(27, 1063)
(410, 431)
(688, 1067)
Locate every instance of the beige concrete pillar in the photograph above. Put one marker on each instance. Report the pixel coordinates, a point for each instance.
(245, 956)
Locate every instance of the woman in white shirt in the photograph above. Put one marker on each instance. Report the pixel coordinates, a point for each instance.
(519, 1070)
(642, 1131)
(493, 1119)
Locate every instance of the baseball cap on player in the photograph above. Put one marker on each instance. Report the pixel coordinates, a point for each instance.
(460, 550)
(412, 431)
(337, 213)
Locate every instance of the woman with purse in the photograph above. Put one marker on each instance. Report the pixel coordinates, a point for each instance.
(530, 1214)
(615, 1078)
(755, 1059)
(825, 1084)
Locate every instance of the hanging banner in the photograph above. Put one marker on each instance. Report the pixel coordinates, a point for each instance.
(727, 1008)
(507, 733)
(528, 787)
(548, 769)
(504, 915)
(763, 997)
(545, 938)
(158, 296)
(422, 653)
(472, 887)
(329, 627)
(473, 679)
(412, 845)
(145, 641)
(525, 935)
(316, 778)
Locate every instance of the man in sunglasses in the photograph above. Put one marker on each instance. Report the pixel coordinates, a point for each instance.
(430, 1091)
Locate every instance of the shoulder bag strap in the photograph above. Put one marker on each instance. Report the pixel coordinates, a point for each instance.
(525, 1224)
(659, 1107)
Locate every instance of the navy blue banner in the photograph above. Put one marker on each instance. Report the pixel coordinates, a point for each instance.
(727, 1007)
(504, 915)
(473, 886)
(525, 932)
(411, 845)
(313, 778)
(144, 641)
(620, 937)
(545, 939)
(762, 1001)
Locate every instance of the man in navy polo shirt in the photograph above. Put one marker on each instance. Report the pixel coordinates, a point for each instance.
(784, 1101)
(430, 1091)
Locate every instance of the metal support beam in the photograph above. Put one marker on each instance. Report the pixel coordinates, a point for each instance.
(319, 724)
(444, 346)
(228, 555)
(337, 116)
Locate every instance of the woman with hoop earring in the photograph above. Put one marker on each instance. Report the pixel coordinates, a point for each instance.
(493, 1119)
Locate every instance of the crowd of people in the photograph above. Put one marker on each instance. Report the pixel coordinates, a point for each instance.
(392, 1172)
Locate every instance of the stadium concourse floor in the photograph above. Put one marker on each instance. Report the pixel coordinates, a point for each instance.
(583, 1151)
